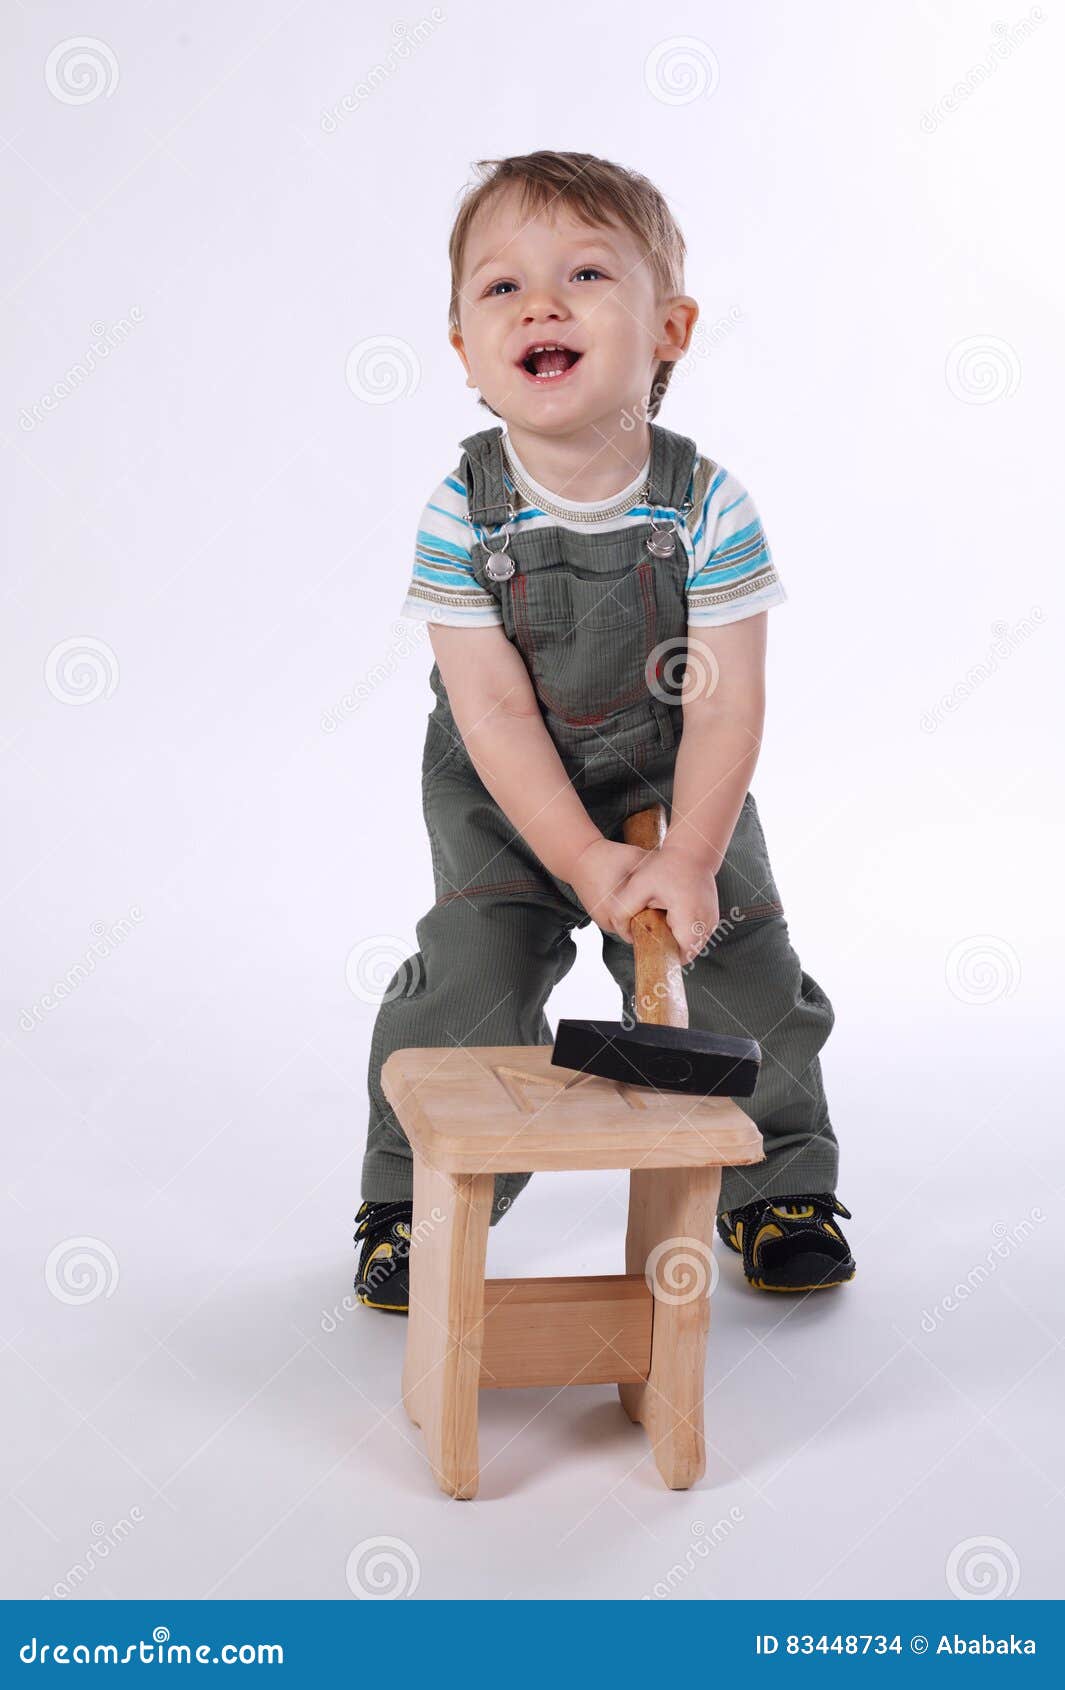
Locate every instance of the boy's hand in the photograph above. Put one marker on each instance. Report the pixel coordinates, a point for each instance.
(603, 869)
(680, 883)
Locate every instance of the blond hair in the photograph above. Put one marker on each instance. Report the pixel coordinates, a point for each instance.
(595, 192)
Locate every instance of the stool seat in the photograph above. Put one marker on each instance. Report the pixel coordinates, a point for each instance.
(470, 1113)
(509, 1109)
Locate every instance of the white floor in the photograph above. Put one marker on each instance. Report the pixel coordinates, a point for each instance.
(202, 1412)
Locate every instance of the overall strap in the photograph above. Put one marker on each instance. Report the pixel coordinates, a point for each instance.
(670, 480)
(482, 465)
(672, 471)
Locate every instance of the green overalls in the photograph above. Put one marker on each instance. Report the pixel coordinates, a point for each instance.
(586, 610)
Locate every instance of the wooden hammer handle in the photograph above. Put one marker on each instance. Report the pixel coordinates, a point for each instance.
(660, 996)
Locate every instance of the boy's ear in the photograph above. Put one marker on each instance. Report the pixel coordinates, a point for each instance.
(677, 324)
(455, 337)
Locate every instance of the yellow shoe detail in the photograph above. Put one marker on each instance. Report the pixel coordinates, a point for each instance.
(822, 1285)
(768, 1231)
(794, 1211)
(382, 1253)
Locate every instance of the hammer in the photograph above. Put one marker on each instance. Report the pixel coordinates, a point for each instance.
(660, 1050)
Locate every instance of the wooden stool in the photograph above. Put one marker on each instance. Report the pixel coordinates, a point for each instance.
(470, 1113)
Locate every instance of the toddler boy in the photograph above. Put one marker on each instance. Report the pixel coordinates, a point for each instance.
(597, 591)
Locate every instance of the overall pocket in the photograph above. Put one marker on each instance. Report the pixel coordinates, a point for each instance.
(585, 622)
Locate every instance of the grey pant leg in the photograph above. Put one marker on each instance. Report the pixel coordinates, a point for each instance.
(751, 984)
(748, 981)
(483, 972)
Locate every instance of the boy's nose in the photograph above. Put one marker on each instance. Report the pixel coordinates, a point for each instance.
(541, 306)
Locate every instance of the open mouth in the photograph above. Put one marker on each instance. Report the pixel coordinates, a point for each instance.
(549, 362)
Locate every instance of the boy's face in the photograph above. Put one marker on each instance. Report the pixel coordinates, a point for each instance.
(549, 279)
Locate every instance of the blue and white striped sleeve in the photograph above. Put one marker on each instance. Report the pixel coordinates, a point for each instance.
(443, 587)
(732, 574)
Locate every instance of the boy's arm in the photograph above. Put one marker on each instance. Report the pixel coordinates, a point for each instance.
(724, 710)
(497, 714)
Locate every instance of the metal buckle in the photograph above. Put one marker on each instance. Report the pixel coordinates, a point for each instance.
(662, 540)
(500, 565)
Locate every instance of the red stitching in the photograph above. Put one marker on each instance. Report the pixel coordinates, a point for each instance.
(521, 614)
(650, 605)
(493, 886)
(630, 697)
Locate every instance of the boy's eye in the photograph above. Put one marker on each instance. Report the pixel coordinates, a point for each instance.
(491, 292)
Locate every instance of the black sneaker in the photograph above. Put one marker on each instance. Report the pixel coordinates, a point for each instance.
(788, 1244)
(382, 1279)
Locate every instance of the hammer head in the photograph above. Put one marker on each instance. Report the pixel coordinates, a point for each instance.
(666, 1058)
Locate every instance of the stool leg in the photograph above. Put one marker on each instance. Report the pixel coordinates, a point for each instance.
(672, 1212)
(442, 1364)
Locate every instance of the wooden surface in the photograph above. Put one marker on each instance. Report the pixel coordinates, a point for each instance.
(678, 1207)
(591, 1331)
(500, 1108)
(442, 1362)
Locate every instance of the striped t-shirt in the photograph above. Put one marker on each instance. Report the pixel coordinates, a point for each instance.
(731, 573)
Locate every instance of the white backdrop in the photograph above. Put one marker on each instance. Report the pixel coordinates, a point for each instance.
(213, 726)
